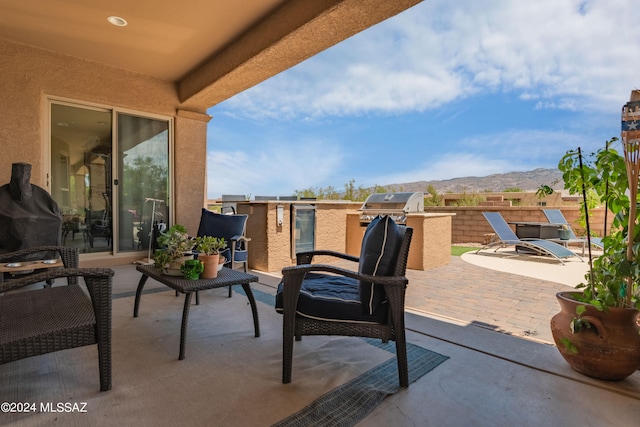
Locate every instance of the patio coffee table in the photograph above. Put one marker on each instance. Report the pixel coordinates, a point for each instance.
(226, 277)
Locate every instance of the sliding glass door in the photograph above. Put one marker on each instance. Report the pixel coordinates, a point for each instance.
(109, 175)
(143, 185)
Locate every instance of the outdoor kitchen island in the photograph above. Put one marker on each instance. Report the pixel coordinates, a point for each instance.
(430, 244)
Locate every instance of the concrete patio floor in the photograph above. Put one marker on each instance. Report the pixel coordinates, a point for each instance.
(503, 369)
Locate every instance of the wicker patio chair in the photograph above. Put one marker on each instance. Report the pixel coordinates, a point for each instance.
(44, 320)
(367, 303)
(232, 228)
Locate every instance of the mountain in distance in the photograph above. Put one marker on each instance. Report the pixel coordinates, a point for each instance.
(525, 181)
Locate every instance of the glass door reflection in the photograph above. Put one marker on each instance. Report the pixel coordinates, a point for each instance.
(143, 171)
(81, 156)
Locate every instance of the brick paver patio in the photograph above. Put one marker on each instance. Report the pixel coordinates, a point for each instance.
(505, 302)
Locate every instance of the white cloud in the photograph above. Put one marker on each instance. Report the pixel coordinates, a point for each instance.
(571, 54)
(272, 170)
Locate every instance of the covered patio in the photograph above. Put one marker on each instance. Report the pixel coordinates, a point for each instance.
(501, 369)
(175, 62)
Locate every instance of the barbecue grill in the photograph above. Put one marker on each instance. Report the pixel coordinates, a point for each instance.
(396, 205)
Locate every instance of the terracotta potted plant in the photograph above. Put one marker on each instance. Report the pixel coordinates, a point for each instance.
(209, 254)
(597, 332)
(175, 248)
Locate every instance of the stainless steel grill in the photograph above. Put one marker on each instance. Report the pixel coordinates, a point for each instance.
(396, 205)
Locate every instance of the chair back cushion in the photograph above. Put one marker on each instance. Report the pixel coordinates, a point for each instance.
(378, 257)
(225, 226)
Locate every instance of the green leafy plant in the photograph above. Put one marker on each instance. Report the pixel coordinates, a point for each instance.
(542, 192)
(569, 345)
(210, 245)
(604, 174)
(432, 197)
(161, 258)
(578, 323)
(472, 199)
(174, 242)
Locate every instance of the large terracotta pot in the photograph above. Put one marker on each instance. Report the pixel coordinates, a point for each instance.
(210, 266)
(609, 350)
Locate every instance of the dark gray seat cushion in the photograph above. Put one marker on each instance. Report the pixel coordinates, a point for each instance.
(329, 297)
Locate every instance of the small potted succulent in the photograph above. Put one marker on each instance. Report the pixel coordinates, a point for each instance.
(175, 248)
(208, 248)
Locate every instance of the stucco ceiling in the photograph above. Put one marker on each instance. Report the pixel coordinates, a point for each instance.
(210, 49)
(164, 38)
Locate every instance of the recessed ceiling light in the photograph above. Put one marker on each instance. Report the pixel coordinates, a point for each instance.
(117, 21)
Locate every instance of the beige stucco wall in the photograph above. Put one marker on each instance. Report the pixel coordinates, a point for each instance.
(355, 233)
(431, 241)
(30, 75)
(269, 245)
(257, 226)
(190, 157)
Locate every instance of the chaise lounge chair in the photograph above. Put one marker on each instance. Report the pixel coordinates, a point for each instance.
(555, 216)
(504, 236)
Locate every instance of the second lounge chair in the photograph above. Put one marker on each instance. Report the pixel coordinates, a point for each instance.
(555, 216)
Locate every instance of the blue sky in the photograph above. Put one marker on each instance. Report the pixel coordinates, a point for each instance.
(443, 90)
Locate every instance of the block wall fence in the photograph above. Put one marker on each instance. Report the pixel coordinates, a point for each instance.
(469, 226)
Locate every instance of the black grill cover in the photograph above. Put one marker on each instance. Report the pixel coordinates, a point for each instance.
(28, 214)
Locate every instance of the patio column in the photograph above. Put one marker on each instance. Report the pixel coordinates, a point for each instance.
(190, 167)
